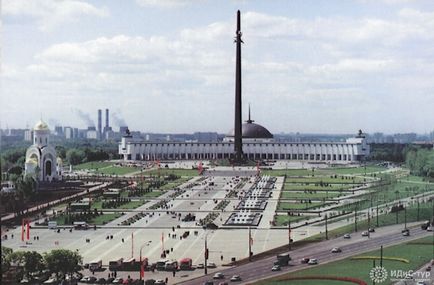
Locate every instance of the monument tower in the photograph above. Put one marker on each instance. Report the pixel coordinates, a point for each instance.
(238, 140)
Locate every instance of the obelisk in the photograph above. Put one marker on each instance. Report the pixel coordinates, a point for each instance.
(238, 140)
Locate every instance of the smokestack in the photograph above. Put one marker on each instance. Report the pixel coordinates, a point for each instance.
(106, 118)
(238, 140)
(100, 123)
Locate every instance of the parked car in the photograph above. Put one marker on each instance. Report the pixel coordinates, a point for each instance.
(200, 266)
(428, 268)
(211, 265)
(312, 261)
(160, 282)
(336, 250)
(365, 234)
(305, 260)
(110, 280)
(85, 279)
(235, 278)
(118, 280)
(371, 230)
(218, 275)
(275, 268)
(101, 281)
(347, 236)
(405, 232)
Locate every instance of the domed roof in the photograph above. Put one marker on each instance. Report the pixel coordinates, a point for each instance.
(251, 130)
(41, 126)
(32, 160)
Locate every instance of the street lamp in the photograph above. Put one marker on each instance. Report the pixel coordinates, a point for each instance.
(206, 255)
(141, 264)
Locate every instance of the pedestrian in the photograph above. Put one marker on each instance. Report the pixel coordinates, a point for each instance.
(122, 240)
(173, 272)
(116, 274)
(12, 235)
(167, 280)
(221, 257)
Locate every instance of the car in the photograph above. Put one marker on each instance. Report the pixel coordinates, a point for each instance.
(347, 236)
(86, 266)
(429, 229)
(371, 230)
(365, 234)
(275, 268)
(421, 283)
(312, 261)
(118, 280)
(336, 250)
(101, 281)
(211, 265)
(218, 275)
(91, 279)
(235, 278)
(405, 232)
(110, 280)
(208, 283)
(428, 268)
(84, 279)
(223, 283)
(200, 266)
(160, 282)
(304, 260)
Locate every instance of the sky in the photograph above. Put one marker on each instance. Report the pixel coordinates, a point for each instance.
(168, 66)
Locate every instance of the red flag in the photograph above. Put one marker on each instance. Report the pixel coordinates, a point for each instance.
(22, 230)
(142, 269)
(28, 230)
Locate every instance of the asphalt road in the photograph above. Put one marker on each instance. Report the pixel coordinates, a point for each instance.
(322, 251)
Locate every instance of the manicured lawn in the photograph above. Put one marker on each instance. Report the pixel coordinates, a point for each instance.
(325, 179)
(283, 206)
(93, 165)
(175, 171)
(303, 195)
(293, 186)
(103, 219)
(282, 220)
(417, 254)
(288, 172)
(153, 194)
(117, 170)
(355, 170)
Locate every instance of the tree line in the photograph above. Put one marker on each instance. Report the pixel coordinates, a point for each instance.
(31, 264)
(420, 161)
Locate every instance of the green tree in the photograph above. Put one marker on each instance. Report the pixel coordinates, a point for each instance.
(33, 262)
(75, 156)
(63, 261)
(6, 252)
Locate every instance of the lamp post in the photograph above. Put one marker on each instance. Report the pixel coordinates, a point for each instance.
(206, 255)
(141, 264)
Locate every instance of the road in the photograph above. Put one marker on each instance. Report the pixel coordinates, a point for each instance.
(262, 269)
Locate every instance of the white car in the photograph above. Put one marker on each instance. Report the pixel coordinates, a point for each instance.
(429, 229)
(336, 250)
(200, 266)
(85, 279)
(346, 236)
(211, 265)
(312, 261)
(275, 268)
(218, 275)
(365, 234)
(235, 278)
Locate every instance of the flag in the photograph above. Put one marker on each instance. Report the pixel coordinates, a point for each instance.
(28, 230)
(142, 269)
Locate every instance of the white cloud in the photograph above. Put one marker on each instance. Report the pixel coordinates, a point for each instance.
(51, 13)
(165, 3)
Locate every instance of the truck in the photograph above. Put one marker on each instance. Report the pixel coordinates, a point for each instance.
(186, 264)
(116, 265)
(95, 265)
(282, 259)
(161, 264)
(52, 225)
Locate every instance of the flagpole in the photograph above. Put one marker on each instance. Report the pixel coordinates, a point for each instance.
(250, 245)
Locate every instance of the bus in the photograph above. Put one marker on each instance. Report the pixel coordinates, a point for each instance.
(116, 265)
(95, 265)
(80, 226)
(130, 265)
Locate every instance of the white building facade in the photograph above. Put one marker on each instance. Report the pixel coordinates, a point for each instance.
(352, 150)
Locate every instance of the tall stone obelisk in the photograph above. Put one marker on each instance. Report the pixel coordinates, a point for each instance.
(238, 140)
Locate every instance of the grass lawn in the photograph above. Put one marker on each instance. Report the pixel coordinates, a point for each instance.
(283, 206)
(117, 170)
(417, 254)
(302, 195)
(293, 186)
(93, 165)
(99, 220)
(153, 194)
(325, 179)
(282, 220)
(175, 171)
(354, 170)
(288, 172)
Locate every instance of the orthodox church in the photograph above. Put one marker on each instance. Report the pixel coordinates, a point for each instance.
(41, 158)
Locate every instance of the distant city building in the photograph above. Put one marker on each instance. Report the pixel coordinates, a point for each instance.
(41, 158)
(28, 135)
(92, 133)
(69, 133)
(58, 130)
